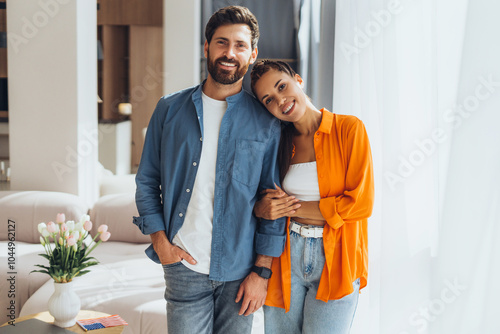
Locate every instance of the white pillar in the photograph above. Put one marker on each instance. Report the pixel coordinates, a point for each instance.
(181, 44)
(52, 96)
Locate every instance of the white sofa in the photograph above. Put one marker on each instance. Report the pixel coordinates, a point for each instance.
(125, 282)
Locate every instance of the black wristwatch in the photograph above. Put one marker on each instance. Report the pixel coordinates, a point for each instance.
(262, 272)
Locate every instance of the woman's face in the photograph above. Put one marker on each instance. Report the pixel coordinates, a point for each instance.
(282, 95)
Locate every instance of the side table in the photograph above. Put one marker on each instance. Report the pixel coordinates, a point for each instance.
(83, 314)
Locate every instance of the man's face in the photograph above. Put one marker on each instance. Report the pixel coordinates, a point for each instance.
(230, 53)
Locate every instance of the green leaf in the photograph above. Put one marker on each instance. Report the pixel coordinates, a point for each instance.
(45, 256)
(40, 271)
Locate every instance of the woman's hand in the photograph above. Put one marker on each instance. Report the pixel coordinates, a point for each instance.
(275, 204)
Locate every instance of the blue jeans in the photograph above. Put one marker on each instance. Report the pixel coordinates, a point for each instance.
(308, 314)
(197, 305)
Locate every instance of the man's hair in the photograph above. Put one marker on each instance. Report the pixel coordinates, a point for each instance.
(261, 67)
(233, 15)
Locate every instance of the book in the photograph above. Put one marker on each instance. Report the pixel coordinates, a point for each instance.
(102, 322)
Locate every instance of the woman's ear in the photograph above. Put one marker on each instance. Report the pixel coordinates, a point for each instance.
(299, 80)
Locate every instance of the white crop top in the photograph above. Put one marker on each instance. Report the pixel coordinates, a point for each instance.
(301, 181)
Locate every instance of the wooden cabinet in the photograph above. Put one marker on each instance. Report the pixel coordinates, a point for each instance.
(131, 68)
(130, 12)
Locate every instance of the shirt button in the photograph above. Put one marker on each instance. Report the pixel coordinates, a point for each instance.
(201, 138)
(188, 190)
(319, 156)
(321, 175)
(194, 164)
(181, 215)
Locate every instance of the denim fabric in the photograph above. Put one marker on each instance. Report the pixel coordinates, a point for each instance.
(246, 164)
(307, 314)
(198, 305)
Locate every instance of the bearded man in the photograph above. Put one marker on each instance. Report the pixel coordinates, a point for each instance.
(209, 151)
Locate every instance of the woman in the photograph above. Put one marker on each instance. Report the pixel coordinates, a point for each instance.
(325, 164)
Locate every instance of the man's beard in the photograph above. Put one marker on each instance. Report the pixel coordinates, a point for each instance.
(223, 76)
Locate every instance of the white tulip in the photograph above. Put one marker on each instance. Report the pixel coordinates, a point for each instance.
(71, 225)
(84, 218)
(79, 227)
(45, 233)
(41, 226)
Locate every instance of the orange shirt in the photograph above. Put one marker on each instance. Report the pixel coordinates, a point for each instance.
(345, 175)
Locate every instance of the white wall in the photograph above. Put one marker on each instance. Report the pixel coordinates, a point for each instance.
(52, 96)
(181, 44)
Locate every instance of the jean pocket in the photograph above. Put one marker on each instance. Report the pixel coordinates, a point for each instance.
(170, 265)
(248, 159)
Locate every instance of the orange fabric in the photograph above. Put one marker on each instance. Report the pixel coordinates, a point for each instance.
(345, 175)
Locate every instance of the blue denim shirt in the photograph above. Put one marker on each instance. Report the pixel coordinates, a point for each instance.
(246, 164)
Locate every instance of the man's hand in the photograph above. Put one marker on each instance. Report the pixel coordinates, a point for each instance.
(275, 204)
(167, 252)
(254, 291)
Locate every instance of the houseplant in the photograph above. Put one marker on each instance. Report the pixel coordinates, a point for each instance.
(69, 257)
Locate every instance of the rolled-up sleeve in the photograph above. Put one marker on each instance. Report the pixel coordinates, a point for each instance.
(356, 202)
(270, 235)
(148, 178)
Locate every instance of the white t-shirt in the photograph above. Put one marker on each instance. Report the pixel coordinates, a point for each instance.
(195, 235)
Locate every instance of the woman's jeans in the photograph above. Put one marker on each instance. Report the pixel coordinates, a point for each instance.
(308, 314)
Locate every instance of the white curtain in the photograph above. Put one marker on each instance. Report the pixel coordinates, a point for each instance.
(424, 76)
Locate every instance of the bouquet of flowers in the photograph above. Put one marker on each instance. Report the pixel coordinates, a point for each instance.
(68, 255)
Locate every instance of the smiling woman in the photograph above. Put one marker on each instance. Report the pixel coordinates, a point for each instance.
(326, 171)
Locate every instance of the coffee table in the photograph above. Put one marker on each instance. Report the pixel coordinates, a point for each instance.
(83, 314)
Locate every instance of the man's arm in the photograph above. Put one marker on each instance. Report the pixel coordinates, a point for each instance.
(270, 234)
(148, 193)
(254, 288)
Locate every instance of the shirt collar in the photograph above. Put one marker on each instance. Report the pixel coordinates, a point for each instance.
(326, 121)
(230, 99)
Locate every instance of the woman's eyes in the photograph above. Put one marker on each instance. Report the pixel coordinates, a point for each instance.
(280, 88)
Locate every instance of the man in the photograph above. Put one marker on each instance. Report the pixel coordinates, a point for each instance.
(209, 151)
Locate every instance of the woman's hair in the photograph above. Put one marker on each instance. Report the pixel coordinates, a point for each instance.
(288, 131)
(233, 15)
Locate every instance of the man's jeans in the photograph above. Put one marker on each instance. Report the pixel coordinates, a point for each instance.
(197, 305)
(307, 314)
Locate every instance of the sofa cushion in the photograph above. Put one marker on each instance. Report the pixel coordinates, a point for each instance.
(28, 208)
(116, 211)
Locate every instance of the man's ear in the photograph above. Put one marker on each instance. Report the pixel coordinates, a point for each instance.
(253, 57)
(299, 80)
(205, 49)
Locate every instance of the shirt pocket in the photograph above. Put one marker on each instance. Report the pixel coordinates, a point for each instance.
(248, 159)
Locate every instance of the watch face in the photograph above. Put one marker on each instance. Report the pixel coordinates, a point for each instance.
(262, 272)
(266, 273)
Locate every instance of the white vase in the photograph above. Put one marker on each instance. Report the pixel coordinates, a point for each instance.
(64, 304)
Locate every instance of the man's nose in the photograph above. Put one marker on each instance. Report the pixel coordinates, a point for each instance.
(230, 52)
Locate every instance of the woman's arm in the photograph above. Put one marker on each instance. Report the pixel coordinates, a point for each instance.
(275, 204)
